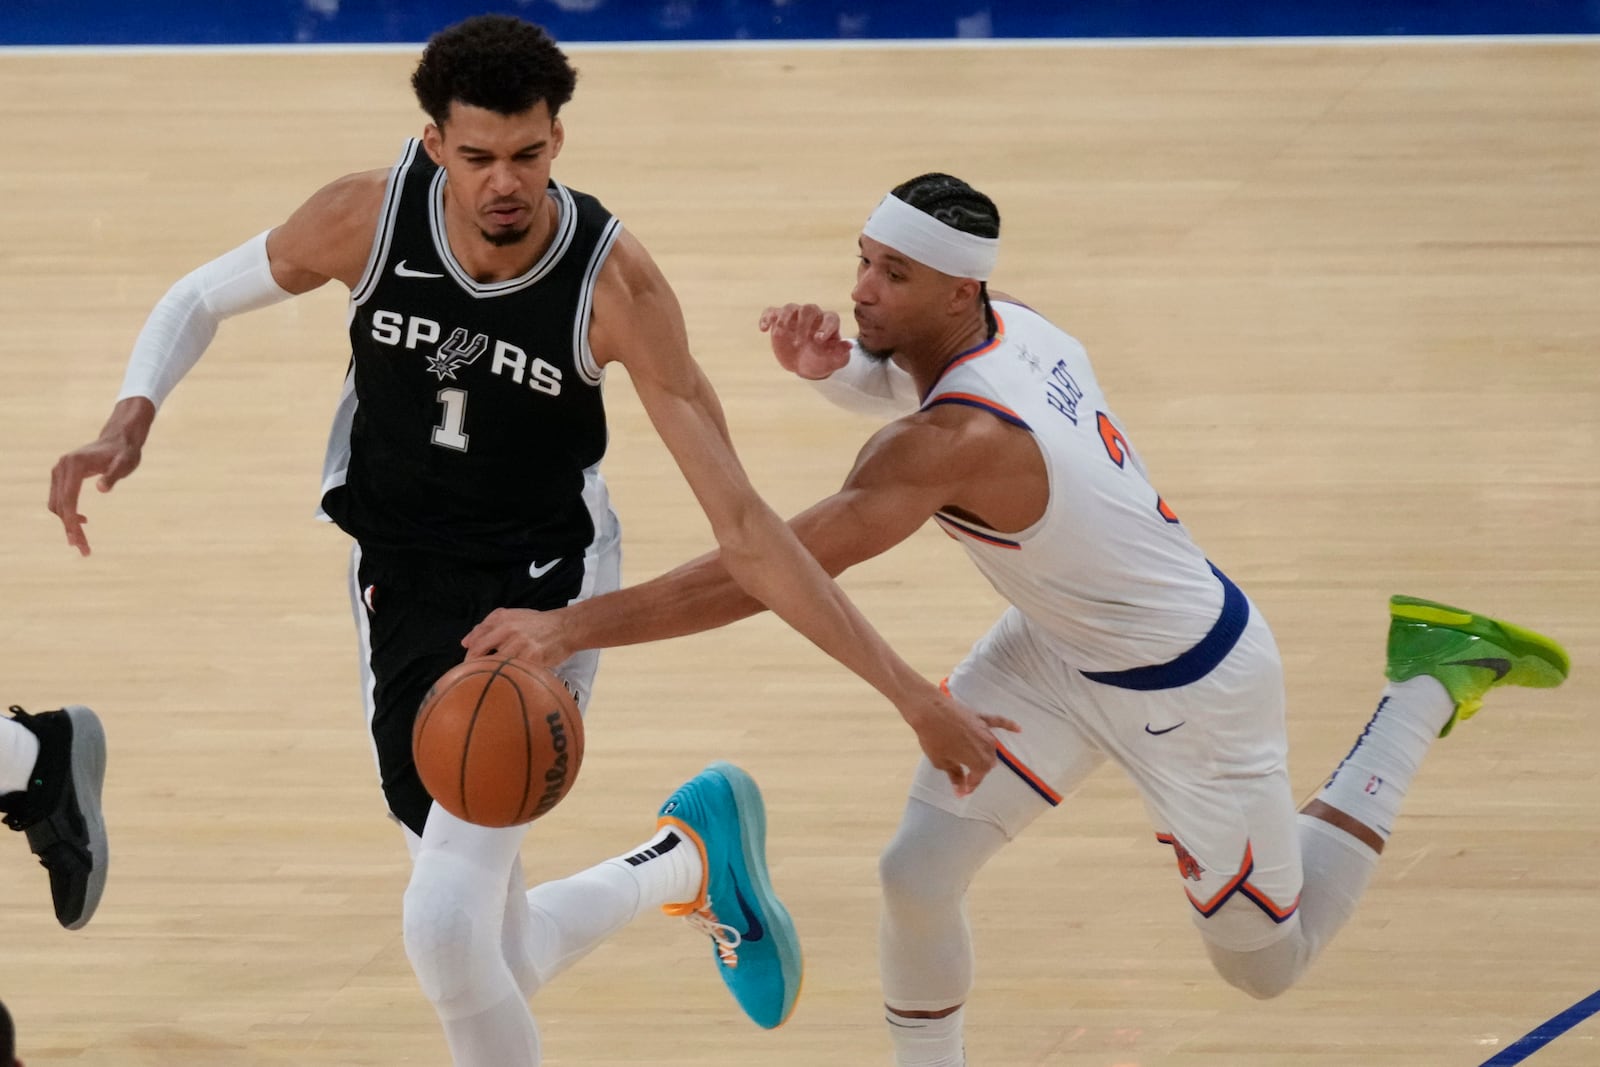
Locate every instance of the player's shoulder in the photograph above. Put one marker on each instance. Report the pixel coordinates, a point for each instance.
(955, 420)
(630, 280)
(331, 234)
(934, 448)
(352, 197)
(947, 438)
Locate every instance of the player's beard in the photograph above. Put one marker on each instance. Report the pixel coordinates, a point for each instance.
(502, 238)
(877, 355)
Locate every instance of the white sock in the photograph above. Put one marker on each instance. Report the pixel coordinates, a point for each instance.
(1372, 781)
(927, 1042)
(667, 868)
(569, 918)
(19, 751)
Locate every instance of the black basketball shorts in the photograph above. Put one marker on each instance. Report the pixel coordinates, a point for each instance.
(412, 612)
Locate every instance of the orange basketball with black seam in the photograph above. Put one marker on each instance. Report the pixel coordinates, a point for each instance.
(498, 742)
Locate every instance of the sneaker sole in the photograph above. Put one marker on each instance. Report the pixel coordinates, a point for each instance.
(88, 777)
(1540, 662)
(752, 812)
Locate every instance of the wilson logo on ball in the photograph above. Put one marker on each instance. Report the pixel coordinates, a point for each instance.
(498, 742)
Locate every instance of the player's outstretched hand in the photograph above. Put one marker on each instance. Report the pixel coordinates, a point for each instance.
(112, 457)
(957, 740)
(805, 339)
(533, 636)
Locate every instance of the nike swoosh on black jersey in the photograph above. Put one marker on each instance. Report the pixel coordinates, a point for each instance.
(403, 271)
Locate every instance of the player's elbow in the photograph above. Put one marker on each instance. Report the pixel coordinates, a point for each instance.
(745, 538)
(757, 549)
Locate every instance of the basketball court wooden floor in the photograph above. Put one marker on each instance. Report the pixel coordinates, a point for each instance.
(1344, 299)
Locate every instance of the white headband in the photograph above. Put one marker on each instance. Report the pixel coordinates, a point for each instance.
(925, 239)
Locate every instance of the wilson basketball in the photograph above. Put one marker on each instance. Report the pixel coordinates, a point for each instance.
(498, 742)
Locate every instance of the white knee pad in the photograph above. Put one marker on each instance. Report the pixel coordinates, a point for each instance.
(925, 948)
(935, 855)
(453, 913)
(914, 880)
(1265, 972)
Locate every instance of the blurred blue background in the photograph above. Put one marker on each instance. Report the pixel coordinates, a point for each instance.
(42, 22)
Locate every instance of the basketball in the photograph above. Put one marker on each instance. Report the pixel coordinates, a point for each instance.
(498, 742)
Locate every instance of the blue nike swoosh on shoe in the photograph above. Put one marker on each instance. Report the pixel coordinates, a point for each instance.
(1158, 733)
(754, 931)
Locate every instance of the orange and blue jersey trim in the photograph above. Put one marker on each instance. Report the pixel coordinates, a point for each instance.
(970, 354)
(983, 403)
(1032, 780)
(1239, 883)
(950, 525)
(1020, 769)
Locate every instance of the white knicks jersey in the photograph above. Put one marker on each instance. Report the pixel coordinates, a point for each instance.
(1107, 572)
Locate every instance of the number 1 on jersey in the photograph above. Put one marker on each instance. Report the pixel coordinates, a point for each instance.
(448, 433)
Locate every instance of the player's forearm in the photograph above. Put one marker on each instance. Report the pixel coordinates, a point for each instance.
(699, 595)
(768, 561)
(869, 386)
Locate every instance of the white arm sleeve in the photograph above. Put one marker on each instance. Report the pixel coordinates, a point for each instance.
(184, 322)
(869, 386)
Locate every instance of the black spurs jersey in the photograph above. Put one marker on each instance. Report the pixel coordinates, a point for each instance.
(471, 424)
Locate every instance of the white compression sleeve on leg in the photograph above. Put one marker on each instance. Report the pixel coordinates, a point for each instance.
(869, 386)
(183, 323)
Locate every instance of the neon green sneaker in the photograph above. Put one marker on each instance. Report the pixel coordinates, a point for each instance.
(1469, 654)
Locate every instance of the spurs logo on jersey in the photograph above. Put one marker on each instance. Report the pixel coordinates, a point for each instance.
(457, 352)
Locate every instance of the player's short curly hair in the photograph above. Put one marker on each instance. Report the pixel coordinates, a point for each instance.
(955, 203)
(497, 62)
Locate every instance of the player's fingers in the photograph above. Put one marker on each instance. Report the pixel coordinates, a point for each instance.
(71, 520)
(482, 639)
(768, 317)
(58, 488)
(121, 465)
(64, 491)
(794, 318)
(828, 328)
(76, 537)
(999, 722)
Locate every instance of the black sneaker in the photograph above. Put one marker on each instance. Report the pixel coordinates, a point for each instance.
(60, 809)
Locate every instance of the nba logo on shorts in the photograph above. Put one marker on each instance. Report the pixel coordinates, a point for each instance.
(1373, 785)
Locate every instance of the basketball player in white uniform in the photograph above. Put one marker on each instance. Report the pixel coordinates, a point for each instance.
(1123, 641)
(486, 302)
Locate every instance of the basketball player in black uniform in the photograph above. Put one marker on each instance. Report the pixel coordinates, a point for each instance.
(487, 300)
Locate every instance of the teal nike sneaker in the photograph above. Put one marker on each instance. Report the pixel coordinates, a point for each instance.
(753, 939)
(1469, 654)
